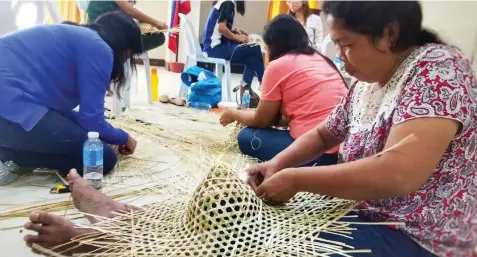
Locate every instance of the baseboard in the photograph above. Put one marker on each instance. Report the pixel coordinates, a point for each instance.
(153, 62)
(236, 69)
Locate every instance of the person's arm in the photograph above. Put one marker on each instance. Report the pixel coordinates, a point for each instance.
(226, 12)
(94, 65)
(315, 142)
(130, 10)
(263, 117)
(398, 172)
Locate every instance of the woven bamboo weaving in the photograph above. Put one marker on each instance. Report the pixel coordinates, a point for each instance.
(222, 217)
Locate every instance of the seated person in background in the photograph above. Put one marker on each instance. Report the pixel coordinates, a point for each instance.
(299, 84)
(221, 42)
(45, 72)
(150, 41)
(311, 22)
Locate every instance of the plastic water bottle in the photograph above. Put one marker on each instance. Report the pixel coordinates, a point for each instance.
(93, 160)
(245, 100)
(200, 106)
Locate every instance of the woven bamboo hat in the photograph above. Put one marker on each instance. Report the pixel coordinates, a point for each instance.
(222, 217)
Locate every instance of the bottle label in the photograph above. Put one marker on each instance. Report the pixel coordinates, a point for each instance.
(92, 158)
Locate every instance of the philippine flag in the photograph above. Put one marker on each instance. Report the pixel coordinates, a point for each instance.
(178, 6)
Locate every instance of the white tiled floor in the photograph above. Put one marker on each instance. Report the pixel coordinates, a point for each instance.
(11, 242)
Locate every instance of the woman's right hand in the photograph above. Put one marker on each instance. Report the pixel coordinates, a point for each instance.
(261, 172)
(241, 38)
(129, 147)
(160, 25)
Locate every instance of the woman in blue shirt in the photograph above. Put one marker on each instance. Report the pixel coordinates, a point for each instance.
(47, 71)
(221, 42)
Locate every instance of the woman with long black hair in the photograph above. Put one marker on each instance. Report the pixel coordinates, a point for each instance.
(47, 71)
(300, 88)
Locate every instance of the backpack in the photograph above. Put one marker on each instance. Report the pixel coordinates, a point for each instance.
(205, 88)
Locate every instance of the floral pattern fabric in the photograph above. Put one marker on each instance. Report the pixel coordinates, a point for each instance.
(434, 81)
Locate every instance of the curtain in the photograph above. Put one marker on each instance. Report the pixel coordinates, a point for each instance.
(68, 10)
(277, 7)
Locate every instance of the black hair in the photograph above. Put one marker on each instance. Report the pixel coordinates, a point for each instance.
(371, 18)
(285, 35)
(123, 36)
(239, 6)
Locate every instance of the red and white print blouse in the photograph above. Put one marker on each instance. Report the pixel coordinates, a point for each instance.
(434, 81)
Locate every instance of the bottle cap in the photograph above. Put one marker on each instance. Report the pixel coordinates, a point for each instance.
(154, 71)
(93, 135)
(246, 91)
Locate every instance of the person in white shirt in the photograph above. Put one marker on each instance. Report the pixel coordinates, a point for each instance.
(312, 22)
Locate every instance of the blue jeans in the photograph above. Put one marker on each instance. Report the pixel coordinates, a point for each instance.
(54, 143)
(249, 56)
(264, 144)
(383, 241)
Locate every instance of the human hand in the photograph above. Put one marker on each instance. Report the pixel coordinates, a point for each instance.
(227, 117)
(242, 38)
(160, 25)
(129, 147)
(261, 172)
(279, 187)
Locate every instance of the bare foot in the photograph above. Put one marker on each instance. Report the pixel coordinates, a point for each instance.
(52, 229)
(88, 200)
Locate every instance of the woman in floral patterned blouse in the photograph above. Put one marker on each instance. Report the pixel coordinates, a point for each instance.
(408, 82)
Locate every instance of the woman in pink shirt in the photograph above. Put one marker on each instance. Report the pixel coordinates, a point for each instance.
(300, 88)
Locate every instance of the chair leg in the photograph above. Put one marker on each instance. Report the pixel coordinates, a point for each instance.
(117, 106)
(228, 81)
(219, 72)
(184, 90)
(126, 94)
(147, 67)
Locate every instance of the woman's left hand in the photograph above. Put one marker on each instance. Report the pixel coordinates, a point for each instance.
(279, 188)
(227, 117)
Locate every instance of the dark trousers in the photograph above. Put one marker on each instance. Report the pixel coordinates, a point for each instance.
(383, 241)
(152, 40)
(54, 143)
(264, 144)
(249, 56)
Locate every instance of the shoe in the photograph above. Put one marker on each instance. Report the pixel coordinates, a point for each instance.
(179, 101)
(15, 169)
(164, 99)
(6, 177)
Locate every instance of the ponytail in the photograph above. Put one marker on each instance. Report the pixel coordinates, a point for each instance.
(428, 37)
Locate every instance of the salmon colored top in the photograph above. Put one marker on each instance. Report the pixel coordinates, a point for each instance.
(308, 87)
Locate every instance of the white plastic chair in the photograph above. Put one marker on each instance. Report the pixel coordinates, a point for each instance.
(125, 100)
(328, 51)
(195, 55)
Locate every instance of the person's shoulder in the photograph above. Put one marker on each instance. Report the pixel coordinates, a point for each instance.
(446, 59)
(224, 3)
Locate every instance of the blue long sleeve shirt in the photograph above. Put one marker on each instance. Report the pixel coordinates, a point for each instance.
(57, 67)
